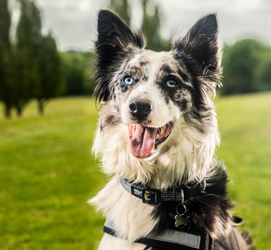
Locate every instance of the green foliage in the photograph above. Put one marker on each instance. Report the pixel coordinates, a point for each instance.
(263, 72)
(47, 173)
(31, 68)
(78, 69)
(27, 54)
(150, 26)
(29, 26)
(50, 75)
(11, 89)
(5, 21)
(243, 67)
(5, 54)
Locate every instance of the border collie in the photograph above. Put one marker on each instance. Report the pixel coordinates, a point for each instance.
(157, 137)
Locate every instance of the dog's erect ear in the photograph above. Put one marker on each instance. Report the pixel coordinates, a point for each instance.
(115, 41)
(114, 35)
(201, 43)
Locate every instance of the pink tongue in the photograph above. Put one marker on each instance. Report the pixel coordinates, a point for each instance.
(143, 141)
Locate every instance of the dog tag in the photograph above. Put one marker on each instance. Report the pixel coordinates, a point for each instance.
(179, 220)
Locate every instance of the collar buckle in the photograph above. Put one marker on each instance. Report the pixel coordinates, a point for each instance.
(151, 196)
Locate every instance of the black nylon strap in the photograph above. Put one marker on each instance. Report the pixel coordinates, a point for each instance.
(163, 245)
(167, 245)
(154, 196)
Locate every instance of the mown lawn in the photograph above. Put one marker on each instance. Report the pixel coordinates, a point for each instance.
(245, 125)
(47, 172)
(46, 176)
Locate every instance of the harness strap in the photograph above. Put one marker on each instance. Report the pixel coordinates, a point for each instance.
(170, 239)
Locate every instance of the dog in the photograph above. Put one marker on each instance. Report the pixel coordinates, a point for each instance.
(157, 137)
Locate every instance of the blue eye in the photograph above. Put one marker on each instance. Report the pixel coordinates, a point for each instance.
(128, 80)
(171, 83)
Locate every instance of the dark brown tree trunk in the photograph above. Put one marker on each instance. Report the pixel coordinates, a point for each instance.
(41, 107)
(8, 112)
(19, 111)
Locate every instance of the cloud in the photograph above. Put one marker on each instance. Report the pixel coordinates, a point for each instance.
(74, 22)
(237, 18)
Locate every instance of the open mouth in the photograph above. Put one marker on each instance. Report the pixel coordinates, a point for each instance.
(144, 140)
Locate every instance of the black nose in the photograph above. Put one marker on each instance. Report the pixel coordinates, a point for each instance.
(140, 109)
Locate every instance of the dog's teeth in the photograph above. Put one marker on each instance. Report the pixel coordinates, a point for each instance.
(158, 133)
(163, 129)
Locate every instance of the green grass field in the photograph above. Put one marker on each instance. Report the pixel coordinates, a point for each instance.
(47, 172)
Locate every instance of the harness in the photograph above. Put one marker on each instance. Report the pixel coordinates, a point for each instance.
(182, 238)
(170, 239)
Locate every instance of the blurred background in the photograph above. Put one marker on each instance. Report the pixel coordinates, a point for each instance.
(48, 116)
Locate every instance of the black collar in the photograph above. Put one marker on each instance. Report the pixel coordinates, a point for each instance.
(154, 196)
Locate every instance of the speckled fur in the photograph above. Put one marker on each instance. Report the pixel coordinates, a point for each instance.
(187, 154)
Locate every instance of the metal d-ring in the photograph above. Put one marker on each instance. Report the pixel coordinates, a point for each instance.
(181, 204)
(183, 209)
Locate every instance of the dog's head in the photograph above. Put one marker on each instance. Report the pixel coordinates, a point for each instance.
(157, 116)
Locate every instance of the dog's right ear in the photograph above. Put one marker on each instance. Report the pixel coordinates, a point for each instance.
(115, 41)
(114, 34)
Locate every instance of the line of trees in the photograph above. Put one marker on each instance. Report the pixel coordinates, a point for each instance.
(246, 67)
(30, 68)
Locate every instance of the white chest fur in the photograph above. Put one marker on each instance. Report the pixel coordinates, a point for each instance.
(131, 218)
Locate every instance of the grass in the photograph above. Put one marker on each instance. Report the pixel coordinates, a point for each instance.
(245, 125)
(47, 172)
(47, 175)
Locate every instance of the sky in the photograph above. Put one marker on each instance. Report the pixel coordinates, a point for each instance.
(73, 22)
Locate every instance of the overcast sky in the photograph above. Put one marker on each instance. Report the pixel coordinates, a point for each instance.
(73, 22)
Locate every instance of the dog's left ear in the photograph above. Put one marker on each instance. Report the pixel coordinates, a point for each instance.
(201, 45)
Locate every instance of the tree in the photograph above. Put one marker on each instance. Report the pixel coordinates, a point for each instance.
(239, 65)
(151, 25)
(5, 22)
(73, 68)
(78, 71)
(263, 73)
(50, 81)
(123, 8)
(5, 54)
(28, 42)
